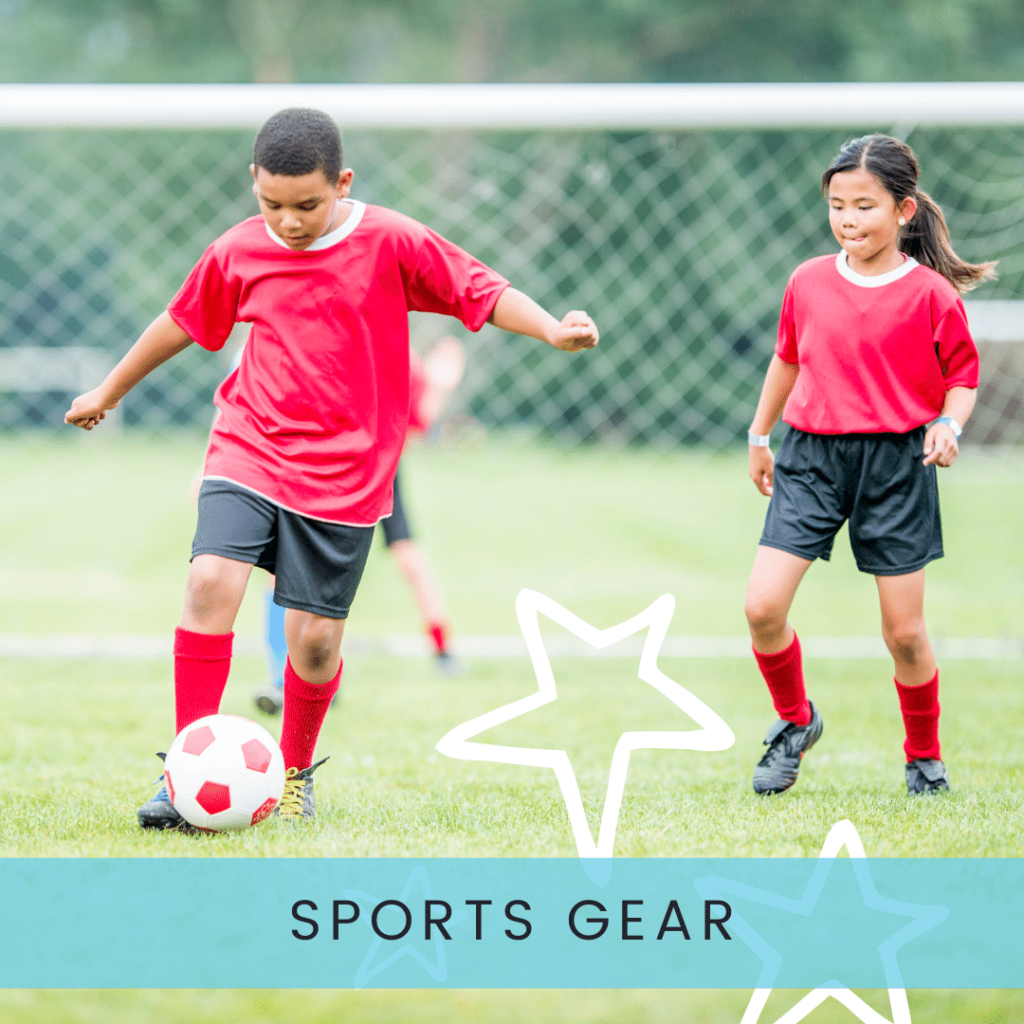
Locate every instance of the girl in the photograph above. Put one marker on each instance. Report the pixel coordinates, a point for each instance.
(873, 346)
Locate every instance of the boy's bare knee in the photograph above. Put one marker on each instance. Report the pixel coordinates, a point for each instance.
(314, 654)
(314, 643)
(209, 588)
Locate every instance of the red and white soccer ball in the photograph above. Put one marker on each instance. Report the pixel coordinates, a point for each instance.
(224, 772)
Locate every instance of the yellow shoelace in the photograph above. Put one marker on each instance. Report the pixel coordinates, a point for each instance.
(292, 803)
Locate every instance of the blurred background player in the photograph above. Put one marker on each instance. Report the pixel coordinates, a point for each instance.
(873, 346)
(433, 380)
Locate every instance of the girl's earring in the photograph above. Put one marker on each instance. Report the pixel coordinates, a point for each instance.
(902, 221)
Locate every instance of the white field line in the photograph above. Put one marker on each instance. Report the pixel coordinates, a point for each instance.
(157, 645)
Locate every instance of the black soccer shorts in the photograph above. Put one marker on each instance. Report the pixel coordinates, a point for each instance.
(396, 526)
(318, 565)
(876, 482)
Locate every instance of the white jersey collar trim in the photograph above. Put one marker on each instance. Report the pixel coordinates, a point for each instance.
(326, 241)
(876, 281)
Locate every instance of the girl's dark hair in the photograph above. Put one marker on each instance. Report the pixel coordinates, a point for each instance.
(299, 141)
(925, 237)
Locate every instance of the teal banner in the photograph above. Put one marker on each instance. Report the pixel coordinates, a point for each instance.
(507, 923)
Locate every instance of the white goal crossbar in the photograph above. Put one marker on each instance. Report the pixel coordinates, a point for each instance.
(520, 106)
(675, 211)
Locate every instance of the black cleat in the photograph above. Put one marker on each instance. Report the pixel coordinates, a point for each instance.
(159, 812)
(269, 699)
(926, 776)
(449, 665)
(297, 800)
(787, 743)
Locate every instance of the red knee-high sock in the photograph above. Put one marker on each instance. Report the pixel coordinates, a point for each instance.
(784, 674)
(201, 665)
(920, 707)
(305, 706)
(439, 634)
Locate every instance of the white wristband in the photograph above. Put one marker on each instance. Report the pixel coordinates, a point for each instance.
(952, 424)
(758, 440)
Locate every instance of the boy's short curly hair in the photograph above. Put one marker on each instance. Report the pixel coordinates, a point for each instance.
(299, 141)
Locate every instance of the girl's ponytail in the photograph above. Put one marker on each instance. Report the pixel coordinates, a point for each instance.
(893, 164)
(926, 238)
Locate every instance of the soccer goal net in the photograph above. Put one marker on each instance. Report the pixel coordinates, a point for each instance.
(674, 215)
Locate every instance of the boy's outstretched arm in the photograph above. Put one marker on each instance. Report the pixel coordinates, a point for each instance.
(162, 339)
(519, 314)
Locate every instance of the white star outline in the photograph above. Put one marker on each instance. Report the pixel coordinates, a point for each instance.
(714, 734)
(926, 917)
(438, 971)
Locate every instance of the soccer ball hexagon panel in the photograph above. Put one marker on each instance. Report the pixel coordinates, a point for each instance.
(224, 772)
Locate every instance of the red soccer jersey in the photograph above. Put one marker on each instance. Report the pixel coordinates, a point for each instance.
(876, 354)
(418, 422)
(315, 416)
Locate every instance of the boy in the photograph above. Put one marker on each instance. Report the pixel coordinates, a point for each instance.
(312, 423)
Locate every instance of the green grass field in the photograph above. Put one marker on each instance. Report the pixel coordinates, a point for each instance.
(94, 539)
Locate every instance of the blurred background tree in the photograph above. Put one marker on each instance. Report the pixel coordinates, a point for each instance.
(509, 40)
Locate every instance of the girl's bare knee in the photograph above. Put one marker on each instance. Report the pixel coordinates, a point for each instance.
(764, 617)
(906, 643)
